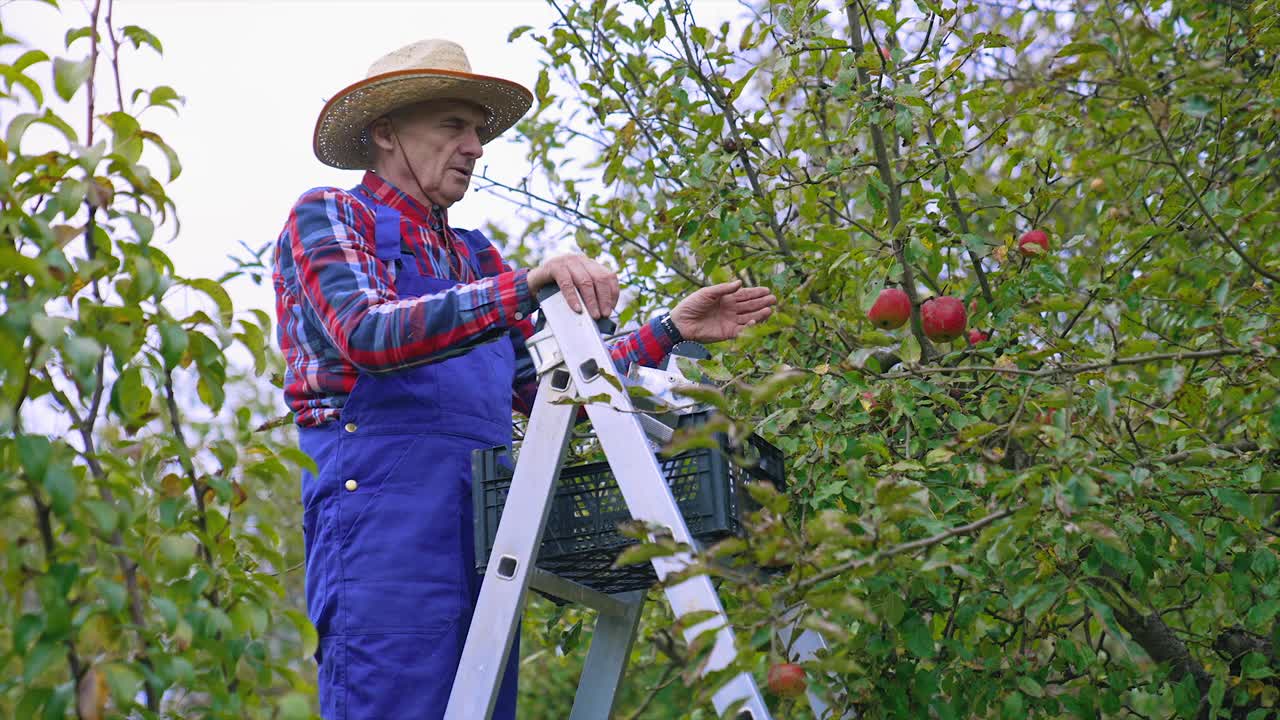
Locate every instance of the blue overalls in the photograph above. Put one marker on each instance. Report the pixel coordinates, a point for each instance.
(390, 559)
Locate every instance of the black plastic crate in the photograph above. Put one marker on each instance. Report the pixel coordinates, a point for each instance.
(581, 539)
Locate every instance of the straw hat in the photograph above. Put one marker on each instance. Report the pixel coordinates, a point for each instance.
(424, 70)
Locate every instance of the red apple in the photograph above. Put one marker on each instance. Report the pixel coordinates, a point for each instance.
(943, 318)
(1035, 237)
(976, 336)
(891, 309)
(786, 679)
(884, 53)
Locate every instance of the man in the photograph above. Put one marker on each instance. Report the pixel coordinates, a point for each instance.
(404, 343)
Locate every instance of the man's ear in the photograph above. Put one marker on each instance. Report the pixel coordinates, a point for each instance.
(380, 134)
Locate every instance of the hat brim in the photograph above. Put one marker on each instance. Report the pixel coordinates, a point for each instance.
(337, 139)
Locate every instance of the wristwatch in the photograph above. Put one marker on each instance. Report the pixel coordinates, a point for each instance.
(669, 326)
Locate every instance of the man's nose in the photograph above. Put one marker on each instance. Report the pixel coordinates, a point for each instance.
(471, 146)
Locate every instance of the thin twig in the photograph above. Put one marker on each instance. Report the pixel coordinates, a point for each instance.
(907, 547)
(1083, 367)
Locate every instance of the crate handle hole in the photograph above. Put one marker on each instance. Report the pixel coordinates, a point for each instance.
(590, 370)
(560, 380)
(507, 567)
(746, 715)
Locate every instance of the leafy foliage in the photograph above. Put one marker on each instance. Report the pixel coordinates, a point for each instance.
(1076, 517)
(142, 559)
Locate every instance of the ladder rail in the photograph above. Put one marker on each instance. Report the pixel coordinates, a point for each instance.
(506, 580)
(574, 363)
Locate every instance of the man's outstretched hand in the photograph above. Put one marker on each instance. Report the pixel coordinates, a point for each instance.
(720, 312)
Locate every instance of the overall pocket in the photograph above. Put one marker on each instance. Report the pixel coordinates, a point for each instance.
(398, 534)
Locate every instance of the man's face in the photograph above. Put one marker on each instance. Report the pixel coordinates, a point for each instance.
(441, 143)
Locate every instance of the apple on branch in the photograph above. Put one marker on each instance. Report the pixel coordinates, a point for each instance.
(1035, 242)
(891, 309)
(943, 318)
(787, 680)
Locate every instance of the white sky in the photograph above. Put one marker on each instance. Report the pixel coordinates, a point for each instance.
(255, 73)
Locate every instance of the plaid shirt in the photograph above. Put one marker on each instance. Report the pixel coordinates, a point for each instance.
(339, 316)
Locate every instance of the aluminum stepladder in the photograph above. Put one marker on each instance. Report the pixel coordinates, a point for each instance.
(572, 362)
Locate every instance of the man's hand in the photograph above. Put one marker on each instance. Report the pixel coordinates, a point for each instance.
(720, 312)
(597, 283)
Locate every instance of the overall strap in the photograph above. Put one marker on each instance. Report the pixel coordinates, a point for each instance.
(387, 233)
(386, 226)
(476, 243)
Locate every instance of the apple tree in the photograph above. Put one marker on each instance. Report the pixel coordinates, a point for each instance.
(146, 498)
(1071, 512)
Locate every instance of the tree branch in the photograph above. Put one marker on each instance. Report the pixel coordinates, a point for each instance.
(927, 351)
(677, 268)
(906, 547)
(1083, 367)
(961, 217)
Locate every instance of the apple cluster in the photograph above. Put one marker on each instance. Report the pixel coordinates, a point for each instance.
(944, 318)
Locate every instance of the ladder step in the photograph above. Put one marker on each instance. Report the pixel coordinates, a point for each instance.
(556, 586)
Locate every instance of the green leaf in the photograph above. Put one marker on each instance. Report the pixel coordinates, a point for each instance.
(1030, 687)
(82, 353)
(60, 483)
(217, 293)
(1179, 528)
(104, 514)
(168, 611)
(642, 553)
(70, 75)
(130, 398)
(175, 166)
(139, 37)
(542, 87)
(75, 34)
(1237, 501)
(1260, 615)
(112, 592)
(1081, 48)
(124, 682)
(1106, 403)
(41, 657)
(173, 343)
(294, 706)
(34, 452)
(917, 636)
(1197, 107)
(306, 632)
(178, 552)
(144, 227)
(32, 700)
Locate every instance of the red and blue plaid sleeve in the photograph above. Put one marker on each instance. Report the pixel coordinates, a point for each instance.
(350, 293)
(647, 345)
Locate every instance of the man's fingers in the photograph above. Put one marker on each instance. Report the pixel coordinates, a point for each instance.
(614, 291)
(753, 292)
(722, 289)
(565, 280)
(585, 283)
(754, 304)
(587, 286)
(606, 287)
